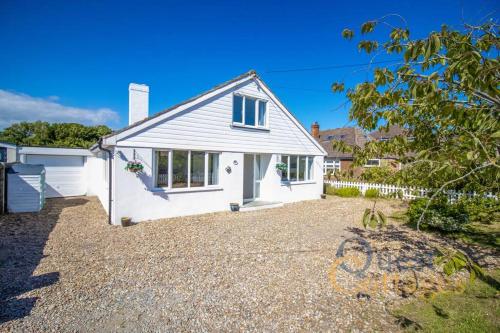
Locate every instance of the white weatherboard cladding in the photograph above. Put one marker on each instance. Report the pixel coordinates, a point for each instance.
(65, 175)
(25, 193)
(207, 126)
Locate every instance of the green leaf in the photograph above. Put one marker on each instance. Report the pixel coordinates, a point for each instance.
(449, 268)
(366, 217)
(368, 27)
(382, 218)
(347, 34)
(337, 87)
(472, 275)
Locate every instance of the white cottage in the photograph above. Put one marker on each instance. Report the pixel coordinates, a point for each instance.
(199, 156)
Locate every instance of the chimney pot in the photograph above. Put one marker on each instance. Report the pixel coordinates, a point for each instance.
(315, 130)
(138, 102)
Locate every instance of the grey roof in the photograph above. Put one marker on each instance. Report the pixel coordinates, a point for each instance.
(390, 133)
(352, 136)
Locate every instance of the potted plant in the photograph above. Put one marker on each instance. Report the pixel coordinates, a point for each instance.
(283, 167)
(126, 221)
(234, 206)
(134, 166)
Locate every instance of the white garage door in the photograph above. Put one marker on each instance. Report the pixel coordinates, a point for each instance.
(64, 175)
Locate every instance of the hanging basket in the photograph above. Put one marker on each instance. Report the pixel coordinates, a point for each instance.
(283, 167)
(134, 166)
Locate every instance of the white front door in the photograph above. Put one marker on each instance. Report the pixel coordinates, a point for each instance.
(253, 172)
(257, 175)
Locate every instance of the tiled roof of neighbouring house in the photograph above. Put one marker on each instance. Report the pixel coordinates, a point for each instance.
(352, 136)
(390, 133)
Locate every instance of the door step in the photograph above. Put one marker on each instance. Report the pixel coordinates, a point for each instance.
(256, 205)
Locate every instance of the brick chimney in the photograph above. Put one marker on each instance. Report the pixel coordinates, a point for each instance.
(315, 130)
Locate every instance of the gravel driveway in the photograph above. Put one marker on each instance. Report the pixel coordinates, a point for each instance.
(65, 269)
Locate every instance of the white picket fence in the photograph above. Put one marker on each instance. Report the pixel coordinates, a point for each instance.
(409, 193)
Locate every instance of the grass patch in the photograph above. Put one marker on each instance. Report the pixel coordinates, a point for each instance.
(477, 309)
(480, 234)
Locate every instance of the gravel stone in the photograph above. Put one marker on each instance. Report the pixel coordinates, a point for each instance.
(66, 270)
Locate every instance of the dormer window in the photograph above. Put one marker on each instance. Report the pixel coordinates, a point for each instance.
(249, 111)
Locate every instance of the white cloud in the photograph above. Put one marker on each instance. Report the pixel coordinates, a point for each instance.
(16, 107)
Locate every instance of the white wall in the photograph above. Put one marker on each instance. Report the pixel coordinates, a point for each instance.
(135, 195)
(274, 190)
(208, 127)
(95, 176)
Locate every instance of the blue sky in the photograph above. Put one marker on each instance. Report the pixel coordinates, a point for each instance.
(73, 61)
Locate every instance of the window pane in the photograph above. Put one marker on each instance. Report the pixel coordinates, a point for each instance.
(302, 167)
(179, 168)
(250, 111)
(213, 169)
(197, 168)
(373, 163)
(237, 109)
(310, 168)
(262, 113)
(162, 168)
(293, 168)
(284, 174)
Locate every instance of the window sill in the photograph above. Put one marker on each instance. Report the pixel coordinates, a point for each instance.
(255, 128)
(303, 182)
(186, 189)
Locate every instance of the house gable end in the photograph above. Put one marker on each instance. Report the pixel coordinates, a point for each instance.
(206, 124)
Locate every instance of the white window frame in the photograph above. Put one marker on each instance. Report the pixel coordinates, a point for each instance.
(257, 100)
(372, 166)
(170, 171)
(307, 178)
(334, 166)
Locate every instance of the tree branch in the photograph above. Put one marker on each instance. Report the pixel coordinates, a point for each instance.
(420, 219)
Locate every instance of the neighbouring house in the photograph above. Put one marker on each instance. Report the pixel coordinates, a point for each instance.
(343, 161)
(390, 133)
(201, 155)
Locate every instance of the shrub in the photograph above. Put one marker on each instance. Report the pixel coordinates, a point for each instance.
(440, 215)
(372, 193)
(346, 192)
(382, 175)
(482, 210)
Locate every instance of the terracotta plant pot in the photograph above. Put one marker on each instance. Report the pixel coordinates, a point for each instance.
(126, 221)
(234, 207)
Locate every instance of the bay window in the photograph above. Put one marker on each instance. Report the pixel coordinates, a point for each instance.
(178, 169)
(299, 168)
(249, 111)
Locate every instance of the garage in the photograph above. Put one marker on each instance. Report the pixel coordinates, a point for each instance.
(64, 169)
